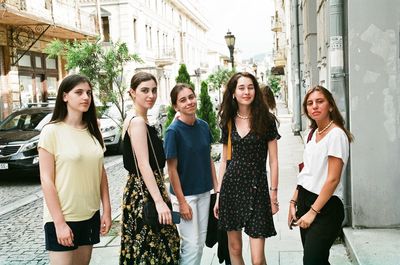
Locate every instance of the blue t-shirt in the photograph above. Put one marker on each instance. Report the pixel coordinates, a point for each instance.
(191, 145)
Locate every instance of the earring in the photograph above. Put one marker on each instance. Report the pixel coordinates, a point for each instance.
(330, 110)
(233, 96)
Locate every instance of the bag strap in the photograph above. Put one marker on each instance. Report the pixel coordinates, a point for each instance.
(310, 134)
(229, 150)
(136, 163)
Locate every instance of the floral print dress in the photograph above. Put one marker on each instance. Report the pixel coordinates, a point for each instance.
(244, 196)
(140, 243)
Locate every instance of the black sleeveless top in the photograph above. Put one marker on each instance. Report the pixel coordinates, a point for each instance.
(127, 154)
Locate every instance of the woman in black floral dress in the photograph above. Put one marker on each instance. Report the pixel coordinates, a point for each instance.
(245, 201)
(140, 243)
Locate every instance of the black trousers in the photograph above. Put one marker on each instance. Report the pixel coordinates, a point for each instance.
(320, 236)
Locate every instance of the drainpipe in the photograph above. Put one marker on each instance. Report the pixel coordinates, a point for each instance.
(337, 80)
(297, 69)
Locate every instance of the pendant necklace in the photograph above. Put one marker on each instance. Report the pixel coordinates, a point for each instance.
(242, 117)
(326, 128)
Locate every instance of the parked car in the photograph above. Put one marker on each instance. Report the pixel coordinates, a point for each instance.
(157, 116)
(19, 136)
(111, 129)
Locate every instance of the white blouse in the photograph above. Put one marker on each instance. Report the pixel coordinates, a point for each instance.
(315, 157)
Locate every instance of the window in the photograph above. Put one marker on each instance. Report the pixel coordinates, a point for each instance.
(106, 29)
(134, 30)
(25, 61)
(51, 63)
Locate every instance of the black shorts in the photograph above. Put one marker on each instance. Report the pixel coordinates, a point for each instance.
(85, 233)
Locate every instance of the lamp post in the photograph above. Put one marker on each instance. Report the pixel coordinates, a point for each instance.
(262, 76)
(255, 69)
(230, 42)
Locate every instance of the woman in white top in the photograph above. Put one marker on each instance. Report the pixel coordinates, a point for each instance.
(73, 177)
(316, 206)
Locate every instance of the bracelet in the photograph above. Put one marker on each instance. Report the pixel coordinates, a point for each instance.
(317, 212)
(217, 192)
(273, 189)
(293, 202)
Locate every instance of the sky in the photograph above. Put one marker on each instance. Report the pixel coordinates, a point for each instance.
(248, 20)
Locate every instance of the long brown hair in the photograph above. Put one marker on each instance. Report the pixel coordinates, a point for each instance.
(260, 118)
(61, 110)
(334, 115)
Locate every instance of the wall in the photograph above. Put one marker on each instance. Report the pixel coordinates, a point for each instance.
(374, 111)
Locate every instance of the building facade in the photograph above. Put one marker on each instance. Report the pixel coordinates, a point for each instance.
(27, 76)
(164, 33)
(352, 48)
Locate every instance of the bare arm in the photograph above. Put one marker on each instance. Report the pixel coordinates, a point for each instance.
(105, 223)
(138, 135)
(335, 166)
(184, 207)
(221, 173)
(274, 172)
(65, 236)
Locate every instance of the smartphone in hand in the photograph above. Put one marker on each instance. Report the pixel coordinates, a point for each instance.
(176, 217)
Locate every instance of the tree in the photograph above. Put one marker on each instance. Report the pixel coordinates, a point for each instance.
(103, 66)
(274, 81)
(183, 77)
(206, 111)
(219, 78)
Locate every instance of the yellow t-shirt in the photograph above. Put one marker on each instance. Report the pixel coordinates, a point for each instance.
(78, 167)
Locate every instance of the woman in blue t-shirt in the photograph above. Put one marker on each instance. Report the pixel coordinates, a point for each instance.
(191, 171)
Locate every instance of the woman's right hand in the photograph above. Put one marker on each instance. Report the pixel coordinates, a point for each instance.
(65, 237)
(216, 207)
(292, 215)
(164, 213)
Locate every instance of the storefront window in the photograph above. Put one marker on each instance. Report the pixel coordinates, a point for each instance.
(38, 62)
(52, 87)
(51, 63)
(25, 61)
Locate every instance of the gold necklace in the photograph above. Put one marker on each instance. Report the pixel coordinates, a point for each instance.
(326, 128)
(242, 117)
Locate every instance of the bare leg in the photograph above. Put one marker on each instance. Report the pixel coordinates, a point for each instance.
(61, 257)
(82, 255)
(257, 251)
(235, 247)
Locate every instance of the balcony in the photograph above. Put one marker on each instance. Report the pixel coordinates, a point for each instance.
(66, 20)
(165, 56)
(276, 24)
(279, 58)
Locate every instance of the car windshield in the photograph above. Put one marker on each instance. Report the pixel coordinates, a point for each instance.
(25, 121)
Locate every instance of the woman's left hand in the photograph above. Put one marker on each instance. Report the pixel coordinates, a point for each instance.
(274, 202)
(105, 224)
(306, 220)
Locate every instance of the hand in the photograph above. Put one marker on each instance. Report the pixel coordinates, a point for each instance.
(292, 216)
(216, 208)
(65, 236)
(274, 202)
(306, 220)
(164, 213)
(186, 211)
(105, 224)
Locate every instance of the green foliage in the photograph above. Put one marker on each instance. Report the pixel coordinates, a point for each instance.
(103, 66)
(274, 83)
(206, 111)
(219, 78)
(183, 77)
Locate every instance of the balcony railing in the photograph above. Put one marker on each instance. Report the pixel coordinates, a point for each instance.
(60, 13)
(276, 24)
(165, 56)
(279, 58)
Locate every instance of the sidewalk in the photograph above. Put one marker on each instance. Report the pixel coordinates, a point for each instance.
(283, 249)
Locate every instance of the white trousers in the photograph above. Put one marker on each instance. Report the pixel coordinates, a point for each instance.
(193, 232)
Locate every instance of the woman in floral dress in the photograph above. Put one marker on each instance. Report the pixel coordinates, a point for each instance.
(142, 243)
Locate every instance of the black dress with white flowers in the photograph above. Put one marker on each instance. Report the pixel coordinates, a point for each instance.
(244, 196)
(140, 243)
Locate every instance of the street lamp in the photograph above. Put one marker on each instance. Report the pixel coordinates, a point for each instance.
(255, 69)
(230, 42)
(262, 76)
